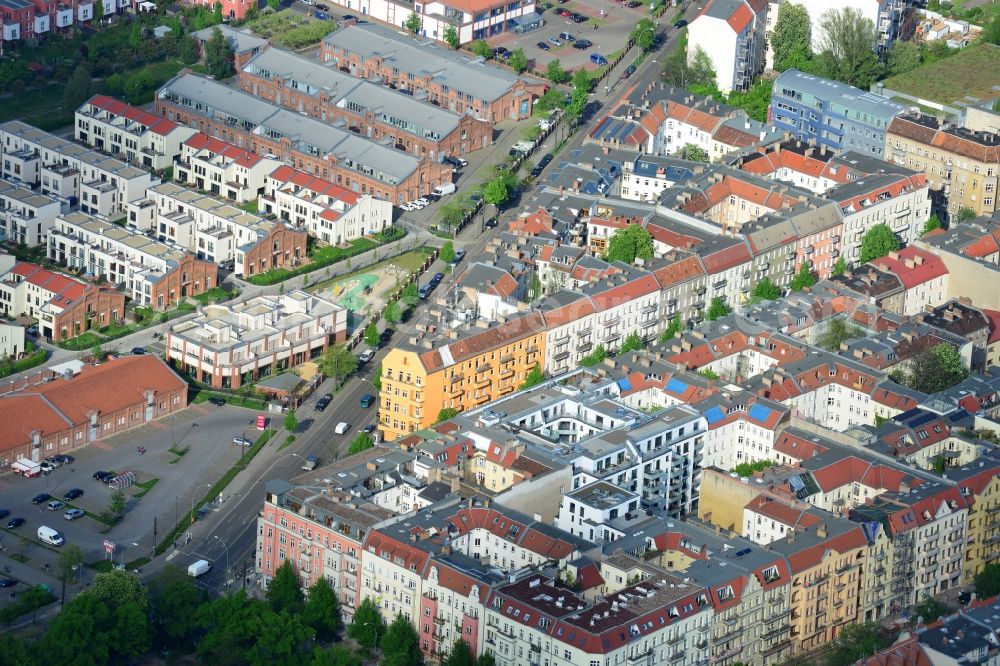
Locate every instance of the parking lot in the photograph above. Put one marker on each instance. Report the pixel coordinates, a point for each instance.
(203, 432)
(613, 30)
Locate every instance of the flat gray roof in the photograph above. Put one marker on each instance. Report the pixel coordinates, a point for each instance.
(240, 41)
(312, 76)
(218, 97)
(838, 93)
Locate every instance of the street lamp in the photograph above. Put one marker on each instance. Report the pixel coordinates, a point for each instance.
(226, 546)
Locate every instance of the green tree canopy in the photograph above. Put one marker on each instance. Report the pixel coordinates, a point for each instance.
(877, 242)
(673, 328)
(988, 581)
(447, 252)
(460, 655)
(594, 357)
(362, 442)
(338, 362)
(644, 34)
(533, 378)
(930, 609)
(413, 23)
(791, 34)
(803, 278)
(518, 61)
(633, 342)
(219, 56)
(446, 413)
(555, 73)
(754, 101)
(451, 37)
(837, 331)
(629, 243)
(936, 369)
(966, 214)
(846, 40)
(932, 224)
(695, 153)
(717, 308)
(854, 642)
(174, 601)
(322, 610)
(291, 422)
(401, 643)
(284, 592)
(839, 267)
(482, 49)
(765, 290)
(495, 192)
(904, 56)
(367, 626)
(77, 89)
(371, 335)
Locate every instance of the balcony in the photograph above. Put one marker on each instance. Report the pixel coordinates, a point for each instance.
(584, 346)
(439, 621)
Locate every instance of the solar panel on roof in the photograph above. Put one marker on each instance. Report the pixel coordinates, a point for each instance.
(676, 386)
(760, 413)
(714, 414)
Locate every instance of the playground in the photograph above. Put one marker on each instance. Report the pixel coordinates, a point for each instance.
(368, 290)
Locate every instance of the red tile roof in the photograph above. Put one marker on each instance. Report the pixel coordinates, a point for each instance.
(155, 124)
(219, 147)
(912, 266)
(284, 175)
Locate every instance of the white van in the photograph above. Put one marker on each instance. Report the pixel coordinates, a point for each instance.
(447, 188)
(342, 427)
(50, 536)
(199, 568)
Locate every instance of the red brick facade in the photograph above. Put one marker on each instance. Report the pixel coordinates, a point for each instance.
(192, 277)
(283, 248)
(507, 106)
(423, 180)
(470, 134)
(99, 306)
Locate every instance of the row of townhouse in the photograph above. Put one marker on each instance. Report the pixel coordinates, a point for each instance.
(221, 169)
(26, 216)
(63, 306)
(328, 151)
(149, 272)
(216, 231)
(102, 185)
(430, 72)
(27, 19)
(322, 91)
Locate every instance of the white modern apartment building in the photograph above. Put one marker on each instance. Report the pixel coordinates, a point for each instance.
(62, 169)
(325, 211)
(212, 165)
(26, 216)
(731, 33)
(258, 337)
(138, 137)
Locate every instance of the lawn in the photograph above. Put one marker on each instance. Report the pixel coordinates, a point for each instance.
(973, 71)
(291, 30)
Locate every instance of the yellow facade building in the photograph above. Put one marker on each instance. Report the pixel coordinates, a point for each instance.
(460, 369)
(981, 487)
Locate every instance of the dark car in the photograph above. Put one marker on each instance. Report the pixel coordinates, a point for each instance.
(7, 582)
(217, 401)
(322, 403)
(41, 497)
(629, 71)
(490, 223)
(103, 476)
(367, 400)
(578, 18)
(436, 280)
(500, 52)
(138, 350)
(537, 171)
(64, 459)
(965, 597)
(563, 12)
(72, 494)
(322, 16)
(14, 523)
(634, 4)
(546, 158)
(582, 44)
(543, 46)
(370, 428)
(385, 335)
(680, 24)
(425, 290)
(322, 8)
(349, 17)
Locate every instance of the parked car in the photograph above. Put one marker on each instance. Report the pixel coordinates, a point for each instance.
(566, 36)
(436, 280)
(423, 200)
(537, 171)
(425, 290)
(578, 18)
(628, 71)
(455, 162)
(73, 494)
(73, 514)
(64, 459)
(102, 476)
(348, 17)
(598, 59)
(366, 355)
(42, 497)
(52, 461)
(491, 223)
(324, 402)
(543, 46)
(322, 16)
(217, 401)
(47, 467)
(385, 335)
(342, 427)
(322, 8)
(56, 505)
(555, 41)
(242, 441)
(680, 24)
(561, 12)
(546, 159)
(634, 4)
(457, 259)
(138, 351)
(7, 582)
(14, 523)
(369, 429)
(367, 400)
(582, 44)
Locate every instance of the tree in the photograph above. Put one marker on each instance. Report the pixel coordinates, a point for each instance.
(628, 243)
(791, 34)
(371, 335)
(283, 592)
(116, 507)
(854, 642)
(77, 89)
(377, 376)
(187, 47)
(447, 252)
(482, 49)
(555, 73)
(754, 101)
(838, 331)
(594, 357)
(533, 378)
(274, 4)
(367, 626)
(400, 642)
(460, 655)
(582, 81)
(70, 559)
(803, 278)
(518, 61)
(451, 37)
(708, 373)
(700, 70)
(78, 635)
(98, 11)
(552, 99)
(936, 369)
(692, 152)
(219, 56)
(446, 413)
(930, 609)
(765, 290)
(904, 56)
(410, 295)
(633, 342)
(717, 308)
(413, 23)
(988, 581)
(486, 659)
(966, 214)
(233, 629)
(394, 313)
(322, 610)
(846, 40)
(839, 267)
(933, 223)
(495, 192)
(338, 362)
(673, 328)
(751, 468)
(877, 242)
(174, 603)
(362, 442)
(291, 422)
(644, 34)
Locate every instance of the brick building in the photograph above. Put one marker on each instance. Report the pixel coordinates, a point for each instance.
(283, 247)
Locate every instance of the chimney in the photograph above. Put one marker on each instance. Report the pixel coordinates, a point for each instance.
(821, 531)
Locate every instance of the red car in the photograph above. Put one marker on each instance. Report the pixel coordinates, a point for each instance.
(562, 12)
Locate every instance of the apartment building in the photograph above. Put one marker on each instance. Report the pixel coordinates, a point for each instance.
(322, 91)
(961, 165)
(26, 217)
(30, 19)
(59, 168)
(971, 254)
(220, 168)
(243, 42)
(333, 153)
(461, 369)
(831, 113)
(149, 272)
(63, 306)
(923, 275)
(431, 72)
(122, 130)
(233, 10)
(262, 336)
(979, 482)
(644, 178)
(732, 33)
(326, 212)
